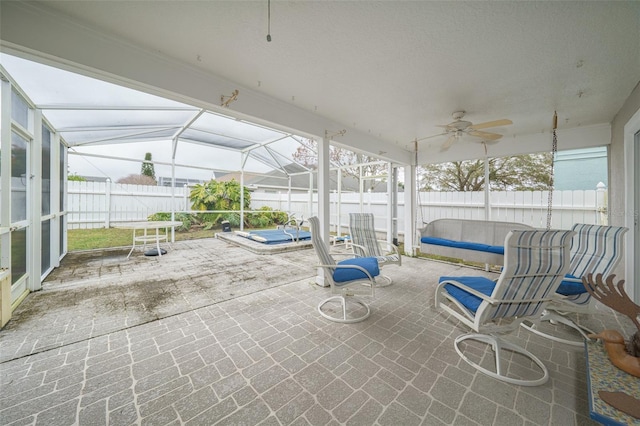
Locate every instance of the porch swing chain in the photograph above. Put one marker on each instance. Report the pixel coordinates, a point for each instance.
(554, 150)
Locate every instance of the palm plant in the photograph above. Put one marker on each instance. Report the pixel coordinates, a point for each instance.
(219, 196)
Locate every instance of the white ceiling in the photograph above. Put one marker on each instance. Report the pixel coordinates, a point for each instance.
(396, 69)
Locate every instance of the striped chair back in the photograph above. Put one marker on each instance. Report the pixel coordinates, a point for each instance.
(535, 261)
(363, 234)
(320, 247)
(595, 249)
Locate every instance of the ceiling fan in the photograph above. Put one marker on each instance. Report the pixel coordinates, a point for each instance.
(460, 127)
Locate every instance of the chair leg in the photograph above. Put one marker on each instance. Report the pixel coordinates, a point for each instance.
(555, 318)
(386, 281)
(343, 302)
(498, 345)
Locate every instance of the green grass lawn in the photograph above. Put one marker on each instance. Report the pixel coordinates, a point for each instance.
(91, 239)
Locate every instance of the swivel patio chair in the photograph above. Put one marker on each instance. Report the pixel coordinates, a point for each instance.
(341, 277)
(535, 261)
(595, 249)
(364, 242)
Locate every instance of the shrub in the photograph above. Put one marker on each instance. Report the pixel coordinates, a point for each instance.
(266, 217)
(186, 219)
(216, 195)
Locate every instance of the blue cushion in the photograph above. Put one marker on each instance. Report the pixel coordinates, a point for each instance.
(496, 249)
(349, 274)
(468, 300)
(467, 245)
(437, 241)
(569, 288)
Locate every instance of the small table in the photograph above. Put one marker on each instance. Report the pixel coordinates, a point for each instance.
(603, 375)
(147, 237)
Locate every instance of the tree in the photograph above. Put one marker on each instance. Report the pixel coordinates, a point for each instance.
(306, 154)
(216, 195)
(529, 172)
(138, 180)
(147, 167)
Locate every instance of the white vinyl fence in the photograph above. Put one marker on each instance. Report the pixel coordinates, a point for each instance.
(97, 205)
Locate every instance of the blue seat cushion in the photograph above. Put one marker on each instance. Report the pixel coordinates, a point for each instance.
(570, 288)
(468, 300)
(467, 245)
(370, 264)
(496, 249)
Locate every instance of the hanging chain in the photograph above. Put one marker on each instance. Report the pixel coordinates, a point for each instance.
(554, 150)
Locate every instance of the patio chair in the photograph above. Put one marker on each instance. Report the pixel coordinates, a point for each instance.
(364, 242)
(341, 276)
(595, 249)
(535, 261)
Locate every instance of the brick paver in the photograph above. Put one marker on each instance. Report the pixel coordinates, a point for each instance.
(235, 338)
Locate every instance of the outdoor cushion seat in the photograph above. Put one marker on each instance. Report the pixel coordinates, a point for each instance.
(344, 278)
(468, 245)
(365, 243)
(536, 261)
(471, 302)
(570, 288)
(342, 275)
(595, 249)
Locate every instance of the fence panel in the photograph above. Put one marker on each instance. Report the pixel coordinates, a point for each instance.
(96, 204)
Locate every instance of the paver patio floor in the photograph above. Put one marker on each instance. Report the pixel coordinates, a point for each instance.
(213, 334)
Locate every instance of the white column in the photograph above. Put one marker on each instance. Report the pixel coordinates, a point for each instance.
(409, 209)
(361, 189)
(174, 148)
(392, 204)
(339, 201)
(289, 211)
(310, 193)
(324, 196)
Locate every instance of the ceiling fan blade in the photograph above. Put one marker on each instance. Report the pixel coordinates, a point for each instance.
(496, 123)
(432, 136)
(485, 135)
(448, 142)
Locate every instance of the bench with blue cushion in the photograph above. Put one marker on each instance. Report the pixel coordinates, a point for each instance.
(471, 240)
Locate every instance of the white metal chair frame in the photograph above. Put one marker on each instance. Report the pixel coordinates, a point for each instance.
(341, 290)
(595, 249)
(365, 243)
(535, 263)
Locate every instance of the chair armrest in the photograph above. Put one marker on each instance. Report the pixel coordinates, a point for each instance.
(392, 248)
(360, 268)
(493, 300)
(363, 248)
